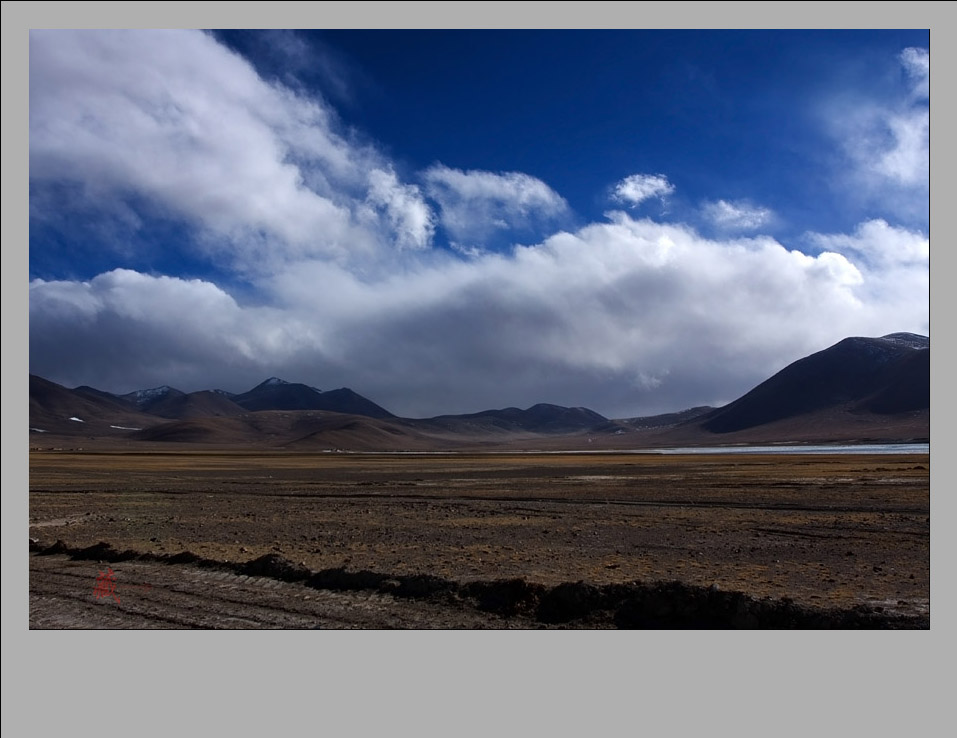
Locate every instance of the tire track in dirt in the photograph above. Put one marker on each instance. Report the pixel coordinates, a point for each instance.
(184, 591)
(184, 596)
(56, 522)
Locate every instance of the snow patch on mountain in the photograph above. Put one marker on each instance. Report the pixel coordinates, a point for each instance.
(149, 394)
(884, 349)
(911, 340)
(144, 397)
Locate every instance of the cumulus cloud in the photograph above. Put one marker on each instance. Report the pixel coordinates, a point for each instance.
(895, 267)
(474, 204)
(129, 330)
(637, 188)
(410, 216)
(878, 245)
(174, 118)
(628, 317)
(740, 216)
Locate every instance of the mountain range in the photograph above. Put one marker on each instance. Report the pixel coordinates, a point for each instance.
(860, 389)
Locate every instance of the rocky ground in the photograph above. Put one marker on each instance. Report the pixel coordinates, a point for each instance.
(285, 540)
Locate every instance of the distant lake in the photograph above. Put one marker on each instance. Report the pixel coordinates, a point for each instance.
(836, 448)
(875, 448)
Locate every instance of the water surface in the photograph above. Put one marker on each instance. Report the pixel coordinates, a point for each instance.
(861, 448)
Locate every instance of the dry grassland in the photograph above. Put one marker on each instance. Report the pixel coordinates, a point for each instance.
(823, 530)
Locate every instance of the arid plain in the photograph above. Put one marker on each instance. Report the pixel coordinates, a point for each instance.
(821, 532)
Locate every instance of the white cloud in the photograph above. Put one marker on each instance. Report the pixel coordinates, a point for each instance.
(737, 215)
(895, 268)
(879, 245)
(135, 330)
(905, 160)
(637, 188)
(887, 144)
(917, 65)
(178, 120)
(410, 216)
(629, 317)
(475, 204)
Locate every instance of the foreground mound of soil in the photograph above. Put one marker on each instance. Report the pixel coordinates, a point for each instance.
(660, 605)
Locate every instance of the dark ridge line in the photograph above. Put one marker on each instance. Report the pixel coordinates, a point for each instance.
(657, 605)
(862, 535)
(706, 504)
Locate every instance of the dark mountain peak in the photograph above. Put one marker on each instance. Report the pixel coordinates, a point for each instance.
(85, 389)
(540, 418)
(549, 407)
(274, 382)
(277, 394)
(889, 375)
(580, 416)
(344, 400)
(205, 403)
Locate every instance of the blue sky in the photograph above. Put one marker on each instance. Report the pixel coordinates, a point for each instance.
(445, 221)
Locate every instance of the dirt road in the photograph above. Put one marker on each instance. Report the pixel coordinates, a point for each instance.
(63, 594)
